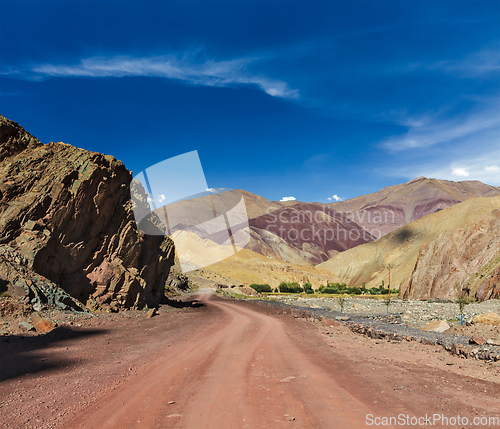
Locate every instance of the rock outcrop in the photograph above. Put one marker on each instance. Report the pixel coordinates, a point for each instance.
(490, 289)
(20, 281)
(67, 213)
(462, 259)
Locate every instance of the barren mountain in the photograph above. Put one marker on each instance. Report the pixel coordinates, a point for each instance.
(305, 232)
(66, 220)
(311, 233)
(294, 232)
(462, 238)
(194, 211)
(395, 206)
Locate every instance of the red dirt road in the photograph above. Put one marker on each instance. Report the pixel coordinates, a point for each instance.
(226, 365)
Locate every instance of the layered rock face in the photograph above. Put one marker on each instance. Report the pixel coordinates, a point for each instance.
(305, 232)
(68, 213)
(464, 259)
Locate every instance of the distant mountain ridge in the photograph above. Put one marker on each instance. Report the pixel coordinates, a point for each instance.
(349, 223)
(396, 206)
(311, 233)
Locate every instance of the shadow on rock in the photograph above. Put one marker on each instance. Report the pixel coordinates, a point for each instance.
(403, 235)
(183, 304)
(21, 355)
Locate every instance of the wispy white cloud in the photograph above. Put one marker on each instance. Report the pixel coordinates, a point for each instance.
(288, 199)
(458, 167)
(185, 68)
(479, 63)
(432, 131)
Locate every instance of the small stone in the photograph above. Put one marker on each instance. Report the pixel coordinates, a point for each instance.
(26, 326)
(290, 418)
(171, 402)
(151, 313)
(437, 326)
(476, 339)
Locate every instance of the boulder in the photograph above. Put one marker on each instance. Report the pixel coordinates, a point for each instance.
(42, 325)
(487, 319)
(437, 326)
(67, 213)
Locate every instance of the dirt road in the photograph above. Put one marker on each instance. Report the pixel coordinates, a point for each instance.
(229, 365)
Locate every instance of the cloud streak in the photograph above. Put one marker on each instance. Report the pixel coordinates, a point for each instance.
(430, 132)
(476, 64)
(227, 73)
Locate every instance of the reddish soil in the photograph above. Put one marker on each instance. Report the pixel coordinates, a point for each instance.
(229, 364)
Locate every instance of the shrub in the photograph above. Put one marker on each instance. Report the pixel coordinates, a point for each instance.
(292, 287)
(261, 288)
(308, 287)
(341, 301)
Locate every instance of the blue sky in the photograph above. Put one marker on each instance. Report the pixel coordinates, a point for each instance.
(303, 99)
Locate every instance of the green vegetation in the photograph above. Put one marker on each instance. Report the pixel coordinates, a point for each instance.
(261, 288)
(308, 288)
(342, 288)
(341, 300)
(290, 287)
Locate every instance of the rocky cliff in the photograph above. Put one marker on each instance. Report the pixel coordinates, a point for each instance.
(68, 214)
(463, 259)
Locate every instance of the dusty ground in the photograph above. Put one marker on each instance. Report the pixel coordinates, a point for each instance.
(227, 364)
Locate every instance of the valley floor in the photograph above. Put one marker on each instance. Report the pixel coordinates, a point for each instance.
(221, 363)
